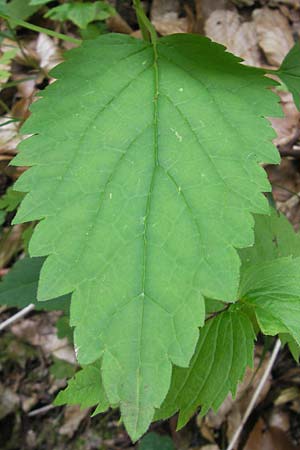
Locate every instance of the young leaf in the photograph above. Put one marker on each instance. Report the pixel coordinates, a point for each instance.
(145, 207)
(274, 238)
(11, 200)
(19, 287)
(85, 389)
(270, 277)
(289, 72)
(292, 344)
(81, 14)
(19, 9)
(273, 290)
(225, 348)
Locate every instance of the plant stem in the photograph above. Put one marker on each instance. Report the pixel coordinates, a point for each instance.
(146, 27)
(38, 29)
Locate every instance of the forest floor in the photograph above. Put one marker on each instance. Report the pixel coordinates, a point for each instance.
(34, 359)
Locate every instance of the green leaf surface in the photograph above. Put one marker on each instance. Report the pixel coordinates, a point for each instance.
(81, 14)
(18, 9)
(144, 209)
(11, 200)
(292, 344)
(39, 2)
(85, 389)
(289, 72)
(274, 238)
(270, 277)
(19, 287)
(225, 348)
(154, 441)
(273, 290)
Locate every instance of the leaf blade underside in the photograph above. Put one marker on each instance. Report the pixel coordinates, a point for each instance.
(129, 176)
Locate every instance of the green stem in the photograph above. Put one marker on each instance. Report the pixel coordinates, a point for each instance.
(38, 29)
(146, 27)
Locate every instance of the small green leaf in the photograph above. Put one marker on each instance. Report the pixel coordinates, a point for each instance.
(224, 350)
(154, 441)
(11, 200)
(274, 238)
(273, 290)
(81, 14)
(289, 72)
(18, 9)
(19, 287)
(62, 369)
(85, 389)
(63, 328)
(292, 344)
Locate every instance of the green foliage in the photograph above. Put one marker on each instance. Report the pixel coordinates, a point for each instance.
(130, 205)
(85, 389)
(225, 345)
(62, 369)
(224, 350)
(289, 72)
(273, 290)
(18, 9)
(6, 58)
(147, 215)
(81, 14)
(11, 200)
(19, 287)
(39, 2)
(154, 441)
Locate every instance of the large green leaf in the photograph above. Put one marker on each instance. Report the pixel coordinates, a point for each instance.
(224, 350)
(19, 287)
(145, 173)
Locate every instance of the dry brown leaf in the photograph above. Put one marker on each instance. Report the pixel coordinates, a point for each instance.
(73, 417)
(48, 52)
(9, 401)
(204, 8)
(165, 17)
(226, 27)
(160, 8)
(39, 332)
(118, 24)
(264, 438)
(9, 135)
(287, 127)
(279, 419)
(274, 34)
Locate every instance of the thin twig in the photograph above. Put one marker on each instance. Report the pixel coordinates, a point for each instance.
(17, 316)
(256, 395)
(42, 410)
